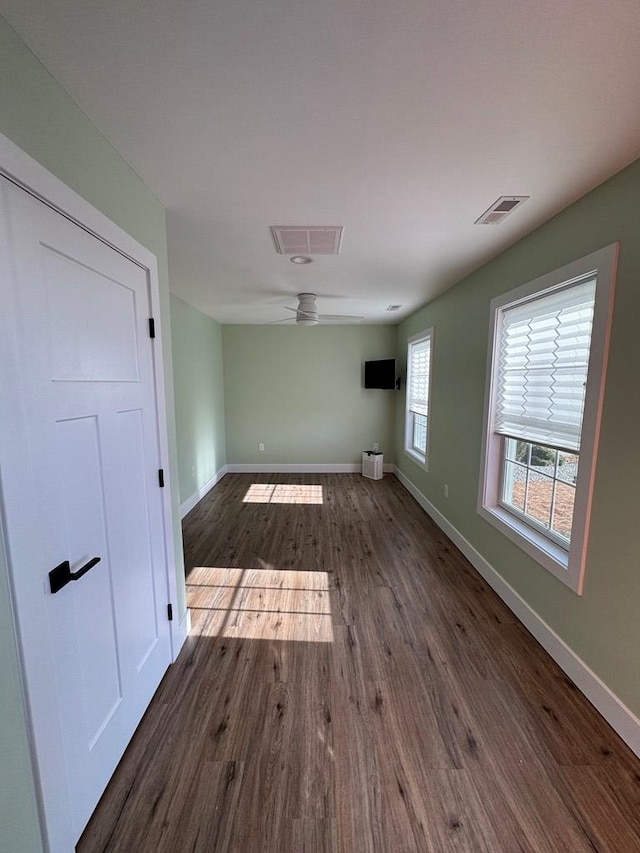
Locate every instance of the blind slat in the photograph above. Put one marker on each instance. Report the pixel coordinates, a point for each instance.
(543, 358)
(418, 376)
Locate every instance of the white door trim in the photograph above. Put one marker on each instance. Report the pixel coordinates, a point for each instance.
(27, 173)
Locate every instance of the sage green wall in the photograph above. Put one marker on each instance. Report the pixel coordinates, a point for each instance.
(197, 372)
(299, 390)
(38, 115)
(601, 626)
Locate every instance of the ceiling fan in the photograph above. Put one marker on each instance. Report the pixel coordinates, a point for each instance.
(306, 314)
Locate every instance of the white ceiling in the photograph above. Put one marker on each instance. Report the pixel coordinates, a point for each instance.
(402, 120)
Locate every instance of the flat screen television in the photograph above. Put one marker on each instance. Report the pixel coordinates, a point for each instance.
(380, 374)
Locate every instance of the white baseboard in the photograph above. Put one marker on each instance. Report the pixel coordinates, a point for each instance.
(189, 504)
(179, 633)
(300, 468)
(615, 712)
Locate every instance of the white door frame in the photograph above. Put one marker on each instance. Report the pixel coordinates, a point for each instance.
(27, 173)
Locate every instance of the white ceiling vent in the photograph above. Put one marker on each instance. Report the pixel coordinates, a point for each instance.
(307, 240)
(393, 307)
(501, 208)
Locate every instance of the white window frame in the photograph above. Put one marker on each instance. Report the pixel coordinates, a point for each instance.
(567, 565)
(551, 534)
(413, 453)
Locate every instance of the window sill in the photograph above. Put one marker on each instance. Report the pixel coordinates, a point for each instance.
(416, 457)
(545, 552)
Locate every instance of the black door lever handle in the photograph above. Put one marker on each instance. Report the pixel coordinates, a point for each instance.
(62, 574)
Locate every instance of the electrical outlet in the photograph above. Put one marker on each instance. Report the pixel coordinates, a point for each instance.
(375, 445)
(261, 446)
(446, 491)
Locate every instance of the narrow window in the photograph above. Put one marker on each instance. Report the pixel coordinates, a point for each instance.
(419, 350)
(545, 386)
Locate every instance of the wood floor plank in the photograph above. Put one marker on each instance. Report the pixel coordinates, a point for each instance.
(351, 685)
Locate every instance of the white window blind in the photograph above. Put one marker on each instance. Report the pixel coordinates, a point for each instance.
(419, 367)
(543, 357)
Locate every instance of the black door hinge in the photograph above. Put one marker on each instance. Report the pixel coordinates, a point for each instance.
(152, 327)
(161, 477)
(170, 612)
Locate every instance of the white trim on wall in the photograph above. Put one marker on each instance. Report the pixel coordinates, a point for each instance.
(300, 468)
(31, 176)
(196, 497)
(25, 172)
(416, 456)
(567, 565)
(612, 708)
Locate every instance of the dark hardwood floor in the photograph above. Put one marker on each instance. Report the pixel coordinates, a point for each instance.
(351, 684)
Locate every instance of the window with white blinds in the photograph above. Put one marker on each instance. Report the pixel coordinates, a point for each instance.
(418, 385)
(542, 364)
(419, 367)
(548, 347)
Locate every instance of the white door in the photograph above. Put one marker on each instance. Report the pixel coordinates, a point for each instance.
(79, 460)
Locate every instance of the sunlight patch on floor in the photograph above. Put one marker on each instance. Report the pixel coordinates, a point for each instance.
(260, 604)
(274, 493)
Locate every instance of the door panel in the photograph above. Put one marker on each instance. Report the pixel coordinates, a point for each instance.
(77, 454)
(91, 321)
(78, 471)
(137, 608)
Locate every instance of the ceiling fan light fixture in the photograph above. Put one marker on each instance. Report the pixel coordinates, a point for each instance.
(301, 259)
(306, 313)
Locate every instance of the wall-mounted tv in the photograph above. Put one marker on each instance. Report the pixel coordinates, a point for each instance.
(380, 374)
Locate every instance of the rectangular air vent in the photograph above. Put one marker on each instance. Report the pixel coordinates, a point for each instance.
(394, 307)
(307, 240)
(505, 205)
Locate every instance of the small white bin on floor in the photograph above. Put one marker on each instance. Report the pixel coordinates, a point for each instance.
(372, 463)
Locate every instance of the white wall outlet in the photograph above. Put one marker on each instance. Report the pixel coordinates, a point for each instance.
(261, 446)
(446, 491)
(375, 445)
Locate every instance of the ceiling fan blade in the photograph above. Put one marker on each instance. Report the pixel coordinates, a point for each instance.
(340, 318)
(283, 320)
(286, 308)
(300, 312)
